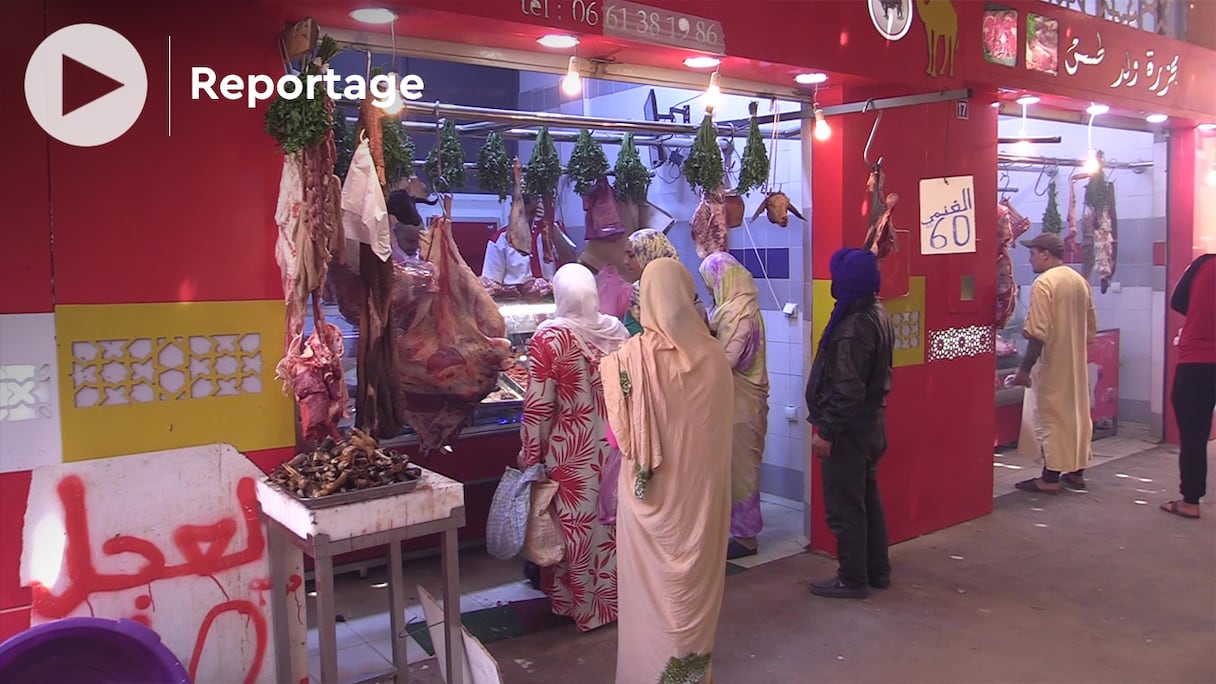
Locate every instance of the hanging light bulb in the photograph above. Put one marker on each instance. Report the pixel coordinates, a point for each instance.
(822, 130)
(572, 84)
(1210, 179)
(1091, 163)
(396, 103)
(713, 94)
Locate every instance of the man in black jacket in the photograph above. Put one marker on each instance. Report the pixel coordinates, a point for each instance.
(846, 399)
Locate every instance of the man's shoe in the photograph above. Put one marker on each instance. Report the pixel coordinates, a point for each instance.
(880, 582)
(1073, 482)
(836, 588)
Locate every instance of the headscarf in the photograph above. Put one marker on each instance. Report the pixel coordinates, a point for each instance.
(676, 357)
(578, 303)
(735, 300)
(855, 276)
(648, 244)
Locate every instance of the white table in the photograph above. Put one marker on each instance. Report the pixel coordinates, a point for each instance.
(436, 505)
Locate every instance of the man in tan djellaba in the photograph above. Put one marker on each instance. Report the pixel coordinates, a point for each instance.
(1056, 424)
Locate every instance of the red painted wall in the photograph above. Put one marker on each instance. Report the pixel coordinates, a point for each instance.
(938, 469)
(1180, 214)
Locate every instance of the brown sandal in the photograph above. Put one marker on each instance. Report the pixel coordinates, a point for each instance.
(1032, 485)
(1172, 507)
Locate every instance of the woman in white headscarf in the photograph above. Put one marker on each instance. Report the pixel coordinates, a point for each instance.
(564, 427)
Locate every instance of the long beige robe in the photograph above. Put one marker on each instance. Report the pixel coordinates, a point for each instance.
(669, 396)
(1056, 424)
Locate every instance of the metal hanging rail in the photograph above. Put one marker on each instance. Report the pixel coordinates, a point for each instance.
(867, 106)
(1016, 160)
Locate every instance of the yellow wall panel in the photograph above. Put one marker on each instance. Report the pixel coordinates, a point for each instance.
(907, 317)
(135, 378)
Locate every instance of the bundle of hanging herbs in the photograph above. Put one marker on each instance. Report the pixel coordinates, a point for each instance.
(445, 162)
(754, 167)
(303, 121)
(704, 168)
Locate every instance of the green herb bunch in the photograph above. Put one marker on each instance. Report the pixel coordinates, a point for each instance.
(587, 163)
(494, 166)
(447, 153)
(1052, 221)
(398, 150)
(632, 177)
(303, 122)
(544, 169)
(703, 168)
(754, 168)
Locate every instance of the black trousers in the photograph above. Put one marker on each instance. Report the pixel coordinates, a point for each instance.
(854, 509)
(1194, 399)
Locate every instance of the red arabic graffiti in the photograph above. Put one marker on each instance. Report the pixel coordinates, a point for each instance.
(205, 549)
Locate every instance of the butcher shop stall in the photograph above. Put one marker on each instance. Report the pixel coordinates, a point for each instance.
(1095, 168)
(508, 170)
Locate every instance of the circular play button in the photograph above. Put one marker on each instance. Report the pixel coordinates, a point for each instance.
(85, 85)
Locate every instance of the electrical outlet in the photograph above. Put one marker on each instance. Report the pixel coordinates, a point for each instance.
(790, 309)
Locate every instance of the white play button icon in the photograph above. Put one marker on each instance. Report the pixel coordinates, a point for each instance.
(85, 85)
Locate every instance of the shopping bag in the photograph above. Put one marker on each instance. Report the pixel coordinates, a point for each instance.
(507, 523)
(605, 505)
(543, 543)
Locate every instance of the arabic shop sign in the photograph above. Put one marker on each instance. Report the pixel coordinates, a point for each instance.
(947, 215)
(1150, 74)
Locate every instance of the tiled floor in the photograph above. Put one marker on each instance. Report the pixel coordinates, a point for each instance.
(496, 602)
(1009, 467)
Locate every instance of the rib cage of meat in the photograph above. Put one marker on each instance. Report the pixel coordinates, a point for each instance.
(1006, 285)
(449, 357)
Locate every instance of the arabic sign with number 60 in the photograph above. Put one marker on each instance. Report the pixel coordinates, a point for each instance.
(947, 215)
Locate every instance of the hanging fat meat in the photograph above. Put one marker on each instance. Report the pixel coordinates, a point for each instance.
(880, 238)
(449, 357)
(1106, 226)
(312, 371)
(709, 223)
(519, 225)
(777, 207)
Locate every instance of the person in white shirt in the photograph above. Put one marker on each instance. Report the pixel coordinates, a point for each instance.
(506, 265)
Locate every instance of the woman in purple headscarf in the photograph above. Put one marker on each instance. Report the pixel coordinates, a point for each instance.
(735, 320)
(846, 400)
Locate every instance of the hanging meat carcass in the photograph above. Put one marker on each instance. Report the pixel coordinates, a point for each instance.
(880, 238)
(449, 357)
(312, 371)
(1006, 285)
(709, 223)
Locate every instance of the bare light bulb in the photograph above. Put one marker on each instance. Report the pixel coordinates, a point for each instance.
(1210, 179)
(713, 94)
(822, 130)
(1091, 163)
(572, 84)
(1022, 148)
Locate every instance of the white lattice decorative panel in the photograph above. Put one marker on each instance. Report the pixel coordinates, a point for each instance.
(29, 395)
(955, 343)
(143, 370)
(907, 329)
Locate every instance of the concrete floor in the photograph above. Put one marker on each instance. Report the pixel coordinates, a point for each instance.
(1097, 587)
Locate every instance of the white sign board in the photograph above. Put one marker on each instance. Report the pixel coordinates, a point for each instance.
(947, 215)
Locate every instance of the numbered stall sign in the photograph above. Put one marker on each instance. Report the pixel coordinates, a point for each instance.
(947, 215)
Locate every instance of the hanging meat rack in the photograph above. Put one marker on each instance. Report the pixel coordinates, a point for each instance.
(1016, 162)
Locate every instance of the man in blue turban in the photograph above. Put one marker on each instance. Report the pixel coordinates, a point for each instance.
(846, 401)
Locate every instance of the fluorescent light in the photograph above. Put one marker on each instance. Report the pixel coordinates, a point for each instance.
(813, 78)
(374, 15)
(572, 84)
(1096, 109)
(822, 130)
(1207, 127)
(1028, 100)
(701, 62)
(1156, 118)
(557, 41)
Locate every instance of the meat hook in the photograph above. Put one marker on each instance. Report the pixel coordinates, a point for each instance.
(865, 155)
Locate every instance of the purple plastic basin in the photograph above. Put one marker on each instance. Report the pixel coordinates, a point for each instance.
(89, 651)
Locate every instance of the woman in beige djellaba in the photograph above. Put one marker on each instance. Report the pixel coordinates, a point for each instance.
(669, 395)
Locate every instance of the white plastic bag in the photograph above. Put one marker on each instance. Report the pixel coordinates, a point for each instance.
(364, 212)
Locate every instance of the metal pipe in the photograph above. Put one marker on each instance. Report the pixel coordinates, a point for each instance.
(1138, 166)
(472, 166)
(462, 112)
(1030, 139)
(558, 136)
(869, 105)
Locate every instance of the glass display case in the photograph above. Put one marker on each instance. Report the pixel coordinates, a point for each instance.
(503, 408)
